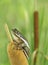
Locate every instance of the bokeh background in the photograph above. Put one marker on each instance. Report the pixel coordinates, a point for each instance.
(19, 14)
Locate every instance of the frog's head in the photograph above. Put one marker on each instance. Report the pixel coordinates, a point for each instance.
(15, 34)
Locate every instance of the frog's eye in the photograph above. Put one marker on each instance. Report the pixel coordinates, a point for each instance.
(14, 31)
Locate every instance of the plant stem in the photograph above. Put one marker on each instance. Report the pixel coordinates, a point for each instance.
(36, 37)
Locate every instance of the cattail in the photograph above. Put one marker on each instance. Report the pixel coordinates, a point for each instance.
(16, 56)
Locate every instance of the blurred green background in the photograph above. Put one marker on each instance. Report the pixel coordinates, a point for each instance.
(19, 14)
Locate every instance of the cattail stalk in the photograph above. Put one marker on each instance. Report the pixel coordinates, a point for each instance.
(36, 32)
(8, 33)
